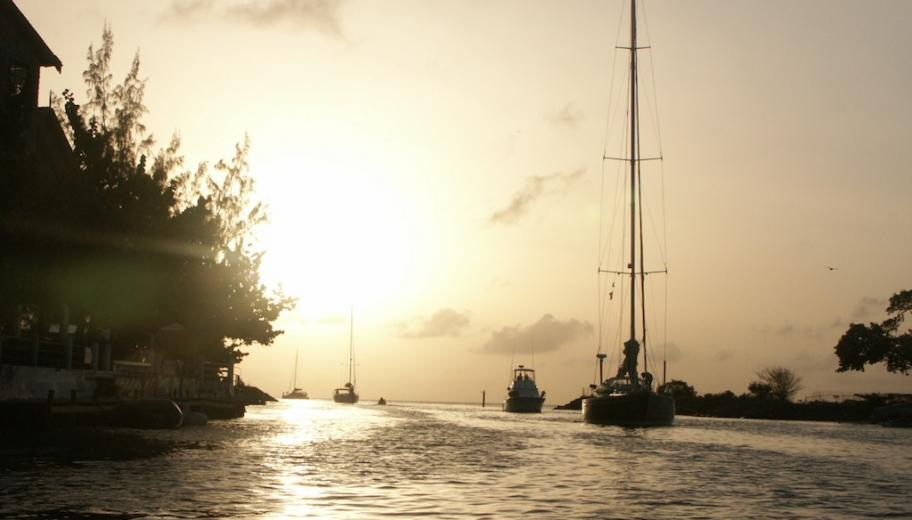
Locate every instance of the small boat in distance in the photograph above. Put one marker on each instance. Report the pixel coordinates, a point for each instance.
(347, 394)
(295, 392)
(522, 394)
(628, 399)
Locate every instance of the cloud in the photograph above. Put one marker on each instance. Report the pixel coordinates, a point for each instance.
(544, 335)
(534, 188)
(320, 15)
(724, 355)
(671, 351)
(868, 307)
(813, 362)
(568, 116)
(444, 323)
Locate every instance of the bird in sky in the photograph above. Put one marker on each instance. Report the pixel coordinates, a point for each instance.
(831, 268)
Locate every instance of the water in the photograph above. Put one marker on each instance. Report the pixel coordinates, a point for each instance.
(317, 459)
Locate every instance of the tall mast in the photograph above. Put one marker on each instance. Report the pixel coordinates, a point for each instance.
(634, 138)
(295, 384)
(351, 341)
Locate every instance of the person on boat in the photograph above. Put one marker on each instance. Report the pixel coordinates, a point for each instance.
(628, 368)
(647, 379)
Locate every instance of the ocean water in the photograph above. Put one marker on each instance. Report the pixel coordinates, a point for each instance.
(317, 459)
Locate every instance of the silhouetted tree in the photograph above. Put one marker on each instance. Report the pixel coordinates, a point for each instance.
(134, 243)
(678, 388)
(783, 383)
(875, 343)
(759, 390)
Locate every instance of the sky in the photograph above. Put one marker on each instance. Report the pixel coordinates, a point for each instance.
(435, 170)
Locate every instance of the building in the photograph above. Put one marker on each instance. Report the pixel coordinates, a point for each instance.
(27, 128)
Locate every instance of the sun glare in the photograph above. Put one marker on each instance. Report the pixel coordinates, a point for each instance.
(341, 232)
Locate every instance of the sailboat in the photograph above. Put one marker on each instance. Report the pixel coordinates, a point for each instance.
(295, 392)
(628, 399)
(346, 394)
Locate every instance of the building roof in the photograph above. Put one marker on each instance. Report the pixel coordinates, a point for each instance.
(14, 17)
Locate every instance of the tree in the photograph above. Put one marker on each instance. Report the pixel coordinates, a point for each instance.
(134, 243)
(875, 343)
(678, 388)
(777, 383)
(759, 390)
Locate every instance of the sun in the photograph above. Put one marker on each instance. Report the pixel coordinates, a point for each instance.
(343, 229)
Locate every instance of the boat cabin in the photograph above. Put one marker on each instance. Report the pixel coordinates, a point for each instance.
(523, 374)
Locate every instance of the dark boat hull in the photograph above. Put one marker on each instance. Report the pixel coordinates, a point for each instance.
(524, 404)
(636, 409)
(346, 398)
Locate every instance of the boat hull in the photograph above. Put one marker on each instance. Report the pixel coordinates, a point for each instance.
(636, 409)
(346, 398)
(524, 404)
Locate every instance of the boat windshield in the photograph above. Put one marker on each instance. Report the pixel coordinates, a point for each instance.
(523, 374)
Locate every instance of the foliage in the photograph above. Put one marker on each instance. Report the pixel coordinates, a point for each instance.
(759, 390)
(136, 245)
(678, 388)
(876, 343)
(777, 383)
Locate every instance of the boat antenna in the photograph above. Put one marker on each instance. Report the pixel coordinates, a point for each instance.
(512, 356)
(533, 353)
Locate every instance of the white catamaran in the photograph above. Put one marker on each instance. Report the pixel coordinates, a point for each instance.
(628, 398)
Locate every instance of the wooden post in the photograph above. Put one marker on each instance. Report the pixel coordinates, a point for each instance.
(67, 339)
(482, 398)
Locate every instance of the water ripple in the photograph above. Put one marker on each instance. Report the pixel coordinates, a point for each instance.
(315, 459)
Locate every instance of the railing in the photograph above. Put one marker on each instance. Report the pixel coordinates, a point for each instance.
(35, 352)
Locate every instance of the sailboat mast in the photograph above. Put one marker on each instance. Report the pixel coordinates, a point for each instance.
(634, 137)
(295, 384)
(351, 342)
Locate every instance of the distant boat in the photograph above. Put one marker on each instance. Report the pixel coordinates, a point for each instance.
(295, 392)
(628, 399)
(347, 393)
(522, 394)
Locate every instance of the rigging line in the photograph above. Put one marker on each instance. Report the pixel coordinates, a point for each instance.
(613, 101)
(619, 192)
(614, 106)
(619, 330)
(605, 250)
(665, 327)
(512, 356)
(642, 253)
(655, 95)
(664, 214)
(660, 246)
